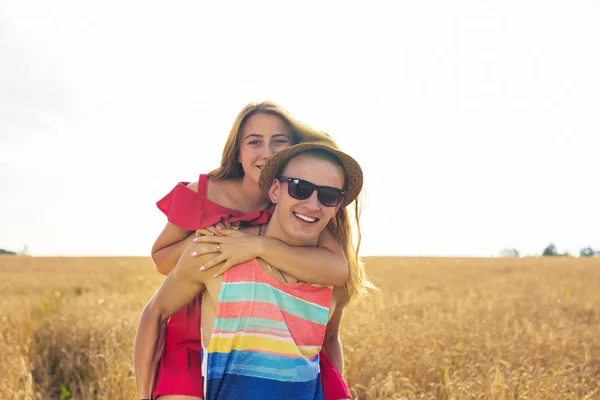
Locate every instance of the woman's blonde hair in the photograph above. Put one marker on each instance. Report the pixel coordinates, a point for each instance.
(340, 225)
(301, 132)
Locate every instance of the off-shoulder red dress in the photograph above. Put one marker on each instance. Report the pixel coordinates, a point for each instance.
(180, 368)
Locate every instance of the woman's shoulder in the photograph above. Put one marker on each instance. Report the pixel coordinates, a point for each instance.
(198, 204)
(193, 186)
(200, 186)
(220, 190)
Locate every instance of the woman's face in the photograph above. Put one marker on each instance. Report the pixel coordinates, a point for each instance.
(262, 136)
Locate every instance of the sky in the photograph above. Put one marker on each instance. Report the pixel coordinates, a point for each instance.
(477, 123)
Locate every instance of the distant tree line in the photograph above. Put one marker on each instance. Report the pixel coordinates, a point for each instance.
(585, 252)
(589, 252)
(23, 252)
(551, 251)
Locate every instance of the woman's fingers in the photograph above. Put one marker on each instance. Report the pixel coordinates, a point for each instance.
(213, 262)
(208, 235)
(222, 259)
(203, 232)
(218, 228)
(208, 239)
(228, 226)
(223, 224)
(213, 230)
(231, 232)
(204, 248)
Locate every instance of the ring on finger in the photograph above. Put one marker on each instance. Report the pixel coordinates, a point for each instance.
(218, 247)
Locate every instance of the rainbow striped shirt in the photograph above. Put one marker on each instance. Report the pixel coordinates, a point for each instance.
(266, 337)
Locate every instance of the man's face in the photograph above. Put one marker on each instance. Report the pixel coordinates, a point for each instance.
(303, 220)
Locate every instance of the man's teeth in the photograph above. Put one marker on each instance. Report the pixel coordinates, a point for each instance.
(305, 217)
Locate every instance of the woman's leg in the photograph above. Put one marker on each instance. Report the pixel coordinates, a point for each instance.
(179, 374)
(177, 397)
(334, 386)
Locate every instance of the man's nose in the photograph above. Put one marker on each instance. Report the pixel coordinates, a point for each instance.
(312, 203)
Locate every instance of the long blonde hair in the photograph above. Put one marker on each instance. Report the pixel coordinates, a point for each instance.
(340, 225)
(301, 132)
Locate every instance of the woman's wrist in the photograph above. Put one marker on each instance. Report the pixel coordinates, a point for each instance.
(261, 246)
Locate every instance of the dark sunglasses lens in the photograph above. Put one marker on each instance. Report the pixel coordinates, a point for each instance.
(300, 189)
(330, 197)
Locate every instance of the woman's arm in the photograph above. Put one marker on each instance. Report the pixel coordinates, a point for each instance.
(324, 265)
(170, 244)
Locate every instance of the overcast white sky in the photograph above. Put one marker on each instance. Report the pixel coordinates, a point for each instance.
(477, 123)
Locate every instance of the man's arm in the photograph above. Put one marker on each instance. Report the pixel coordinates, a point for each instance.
(332, 347)
(178, 289)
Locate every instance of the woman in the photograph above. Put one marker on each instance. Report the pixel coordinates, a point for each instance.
(231, 194)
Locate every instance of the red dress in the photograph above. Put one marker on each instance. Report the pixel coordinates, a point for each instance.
(180, 368)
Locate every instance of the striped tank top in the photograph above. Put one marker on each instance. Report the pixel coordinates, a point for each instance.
(266, 337)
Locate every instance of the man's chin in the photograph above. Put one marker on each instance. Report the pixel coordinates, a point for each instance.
(307, 233)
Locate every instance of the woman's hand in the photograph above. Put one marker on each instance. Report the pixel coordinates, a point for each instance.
(217, 228)
(235, 247)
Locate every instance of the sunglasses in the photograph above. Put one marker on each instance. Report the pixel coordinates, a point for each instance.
(302, 190)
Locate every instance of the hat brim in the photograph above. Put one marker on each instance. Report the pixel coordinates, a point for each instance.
(353, 172)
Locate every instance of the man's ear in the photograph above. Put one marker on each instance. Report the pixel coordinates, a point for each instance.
(275, 191)
(337, 208)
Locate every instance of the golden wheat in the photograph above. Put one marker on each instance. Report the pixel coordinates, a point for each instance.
(441, 328)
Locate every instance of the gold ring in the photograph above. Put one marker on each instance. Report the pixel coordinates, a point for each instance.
(218, 247)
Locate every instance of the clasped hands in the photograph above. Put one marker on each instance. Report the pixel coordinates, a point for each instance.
(231, 246)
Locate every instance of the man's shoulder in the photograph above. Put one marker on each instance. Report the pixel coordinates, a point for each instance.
(250, 230)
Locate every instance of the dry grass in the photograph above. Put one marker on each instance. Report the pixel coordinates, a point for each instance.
(439, 329)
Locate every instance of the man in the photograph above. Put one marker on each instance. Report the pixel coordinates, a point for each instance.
(264, 329)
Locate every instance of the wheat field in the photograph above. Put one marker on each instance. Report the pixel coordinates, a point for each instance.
(440, 328)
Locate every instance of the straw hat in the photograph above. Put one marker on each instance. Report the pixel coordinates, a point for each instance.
(353, 172)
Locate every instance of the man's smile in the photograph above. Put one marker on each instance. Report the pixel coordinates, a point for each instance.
(305, 218)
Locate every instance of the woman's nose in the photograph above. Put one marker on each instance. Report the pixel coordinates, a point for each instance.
(267, 152)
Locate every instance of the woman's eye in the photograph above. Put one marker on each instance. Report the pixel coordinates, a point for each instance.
(282, 141)
(254, 142)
